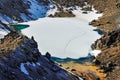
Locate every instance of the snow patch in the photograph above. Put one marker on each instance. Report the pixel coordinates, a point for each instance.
(53, 10)
(38, 64)
(3, 31)
(23, 69)
(95, 52)
(89, 16)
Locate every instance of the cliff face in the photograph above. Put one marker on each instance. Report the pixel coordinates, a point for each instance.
(20, 59)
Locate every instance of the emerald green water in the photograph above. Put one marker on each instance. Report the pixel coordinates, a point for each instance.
(19, 26)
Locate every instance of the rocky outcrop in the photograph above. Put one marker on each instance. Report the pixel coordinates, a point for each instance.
(65, 7)
(109, 59)
(111, 14)
(108, 40)
(20, 59)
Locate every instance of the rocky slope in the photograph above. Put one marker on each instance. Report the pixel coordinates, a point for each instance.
(22, 10)
(109, 43)
(20, 59)
(109, 59)
(111, 14)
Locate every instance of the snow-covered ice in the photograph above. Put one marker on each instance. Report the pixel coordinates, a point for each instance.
(64, 37)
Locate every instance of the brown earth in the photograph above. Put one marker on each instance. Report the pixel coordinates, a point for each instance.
(88, 72)
(111, 14)
(9, 43)
(109, 59)
(62, 14)
(109, 43)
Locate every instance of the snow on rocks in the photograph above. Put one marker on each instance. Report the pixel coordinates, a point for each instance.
(3, 31)
(37, 10)
(24, 70)
(53, 10)
(95, 52)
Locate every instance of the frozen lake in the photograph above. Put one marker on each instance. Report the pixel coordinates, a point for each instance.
(64, 37)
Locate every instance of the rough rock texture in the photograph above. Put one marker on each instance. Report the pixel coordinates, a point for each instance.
(19, 10)
(65, 7)
(108, 40)
(21, 60)
(69, 3)
(111, 14)
(109, 59)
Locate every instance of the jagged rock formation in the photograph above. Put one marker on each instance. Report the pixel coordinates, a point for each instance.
(20, 59)
(109, 59)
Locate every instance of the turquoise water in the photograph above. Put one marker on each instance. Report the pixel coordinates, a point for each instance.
(19, 27)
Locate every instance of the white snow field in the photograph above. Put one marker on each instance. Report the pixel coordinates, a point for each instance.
(64, 37)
